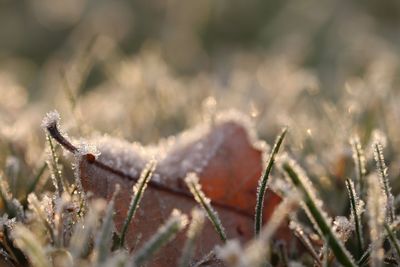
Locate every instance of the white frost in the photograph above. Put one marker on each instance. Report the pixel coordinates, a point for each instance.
(51, 118)
(190, 151)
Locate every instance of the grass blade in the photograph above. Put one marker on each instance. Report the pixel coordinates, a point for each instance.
(302, 183)
(262, 184)
(192, 181)
(382, 171)
(54, 167)
(359, 163)
(305, 241)
(356, 211)
(138, 191)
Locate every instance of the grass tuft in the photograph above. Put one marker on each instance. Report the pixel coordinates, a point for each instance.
(302, 183)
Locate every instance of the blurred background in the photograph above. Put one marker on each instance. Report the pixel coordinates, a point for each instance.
(142, 70)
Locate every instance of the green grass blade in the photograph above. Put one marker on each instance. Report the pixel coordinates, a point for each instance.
(262, 184)
(138, 190)
(192, 181)
(356, 213)
(304, 186)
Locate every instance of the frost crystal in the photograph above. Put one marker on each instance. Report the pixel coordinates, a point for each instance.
(51, 118)
(308, 186)
(231, 254)
(190, 151)
(343, 227)
(192, 181)
(85, 148)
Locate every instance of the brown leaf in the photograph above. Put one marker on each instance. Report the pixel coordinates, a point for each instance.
(226, 160)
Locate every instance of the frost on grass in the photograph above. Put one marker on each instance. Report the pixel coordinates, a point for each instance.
(357, 208)
(192, 181)
(313, 208)
(359, 161)
(138, 190)
(232, 254)
(308, 187)
(384, 180)
(343, 227)
(52, 118)
(359, 203)
(376, 219)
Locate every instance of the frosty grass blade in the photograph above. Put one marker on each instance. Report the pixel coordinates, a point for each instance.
(356, 211)
(138, 191)
(192, 181)
(262, 184)
(304, 185)
(384, 180)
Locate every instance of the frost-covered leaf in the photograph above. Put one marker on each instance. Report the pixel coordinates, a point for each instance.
(225, 154)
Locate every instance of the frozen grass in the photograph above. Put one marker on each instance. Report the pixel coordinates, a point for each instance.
(138, 191)
(262, 184)
(49, 222)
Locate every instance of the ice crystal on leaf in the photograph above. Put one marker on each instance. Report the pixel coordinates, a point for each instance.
(173, 155)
